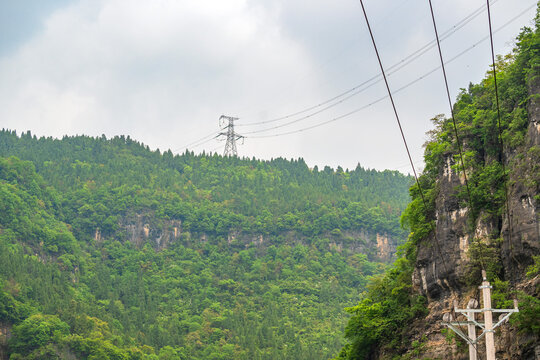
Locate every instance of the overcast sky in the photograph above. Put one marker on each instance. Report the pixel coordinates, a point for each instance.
(163, 71)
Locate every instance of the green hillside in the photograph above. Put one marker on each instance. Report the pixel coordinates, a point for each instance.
(111, 251)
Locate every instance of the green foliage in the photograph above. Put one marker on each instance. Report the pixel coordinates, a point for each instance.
(27, 208)
(534, 269)
(528, 317)
(482, 256)
(223, 297)
(37, 331)
(384, 312)
(103, 180)
(418, 347)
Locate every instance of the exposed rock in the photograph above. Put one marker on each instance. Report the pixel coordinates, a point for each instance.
(5, 334)
(441, 260)
(533, 108)
(378, 247)
(97, 235)
(142, 228)
(523, 233)
(147, 228)
(383, 247)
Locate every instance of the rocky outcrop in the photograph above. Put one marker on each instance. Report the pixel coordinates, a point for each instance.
(378, 247)
(386, 248)
(5, 334)
(522, 233)
(441, 259)
(142, 228)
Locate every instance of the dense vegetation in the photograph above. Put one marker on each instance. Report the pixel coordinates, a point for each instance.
(218, 290)
(380, 319)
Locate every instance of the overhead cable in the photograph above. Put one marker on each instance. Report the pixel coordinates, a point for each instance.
(390, 70)
(194, 142)
(458, 141)
(399, 89)
(501, 144)
(401, 128)
(199, 142)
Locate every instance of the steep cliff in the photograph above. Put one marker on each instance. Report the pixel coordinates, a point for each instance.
(450, 275)
(500, 234)
(464, 218)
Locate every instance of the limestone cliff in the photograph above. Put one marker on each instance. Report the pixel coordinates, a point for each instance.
(143, 228)
(444, 270)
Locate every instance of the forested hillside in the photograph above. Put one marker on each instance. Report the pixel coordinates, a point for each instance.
(111, 251)
(490, 222)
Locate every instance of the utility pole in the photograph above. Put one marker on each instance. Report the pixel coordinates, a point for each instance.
(230, 145)
(488, 318)
(487, 327)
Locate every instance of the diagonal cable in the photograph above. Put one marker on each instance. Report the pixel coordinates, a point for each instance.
(390, 70)
(401, 128)
(501, 144)
(458, 141)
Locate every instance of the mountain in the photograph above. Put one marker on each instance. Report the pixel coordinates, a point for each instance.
(109, 250)
(483, 218)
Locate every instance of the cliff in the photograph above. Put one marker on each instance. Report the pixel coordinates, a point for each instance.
(504, 241)
(146, 228)
(474, 208)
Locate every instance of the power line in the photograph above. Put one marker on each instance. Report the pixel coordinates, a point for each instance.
(401, 88)
(324, 122)
(400, 127)
(392, 69)
(211, 136)
(204, 142)
(319, 111)
(500, 134)
(450, 104)
(396, 67)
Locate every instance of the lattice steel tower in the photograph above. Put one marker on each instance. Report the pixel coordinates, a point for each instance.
(230, 145)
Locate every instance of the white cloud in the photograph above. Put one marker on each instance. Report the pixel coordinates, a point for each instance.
(163, 71)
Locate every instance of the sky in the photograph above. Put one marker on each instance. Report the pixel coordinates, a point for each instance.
(164, 71)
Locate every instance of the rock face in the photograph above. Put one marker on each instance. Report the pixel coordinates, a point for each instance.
(5, 334)
(440, 260)
(140, 229)
(443, 262)
(522, 236)
(378, 247)
(386, 248)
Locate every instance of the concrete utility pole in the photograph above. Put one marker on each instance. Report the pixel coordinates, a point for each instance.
(230, 145)
(488, 318)
(487, 327)
(471, 328)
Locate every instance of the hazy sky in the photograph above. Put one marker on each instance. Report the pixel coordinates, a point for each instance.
(163, 71)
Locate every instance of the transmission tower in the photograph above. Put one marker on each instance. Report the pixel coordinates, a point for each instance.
(230, 145)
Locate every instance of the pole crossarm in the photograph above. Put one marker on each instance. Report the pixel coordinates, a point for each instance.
(487, 327)
(454, 325)
(484, 310)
